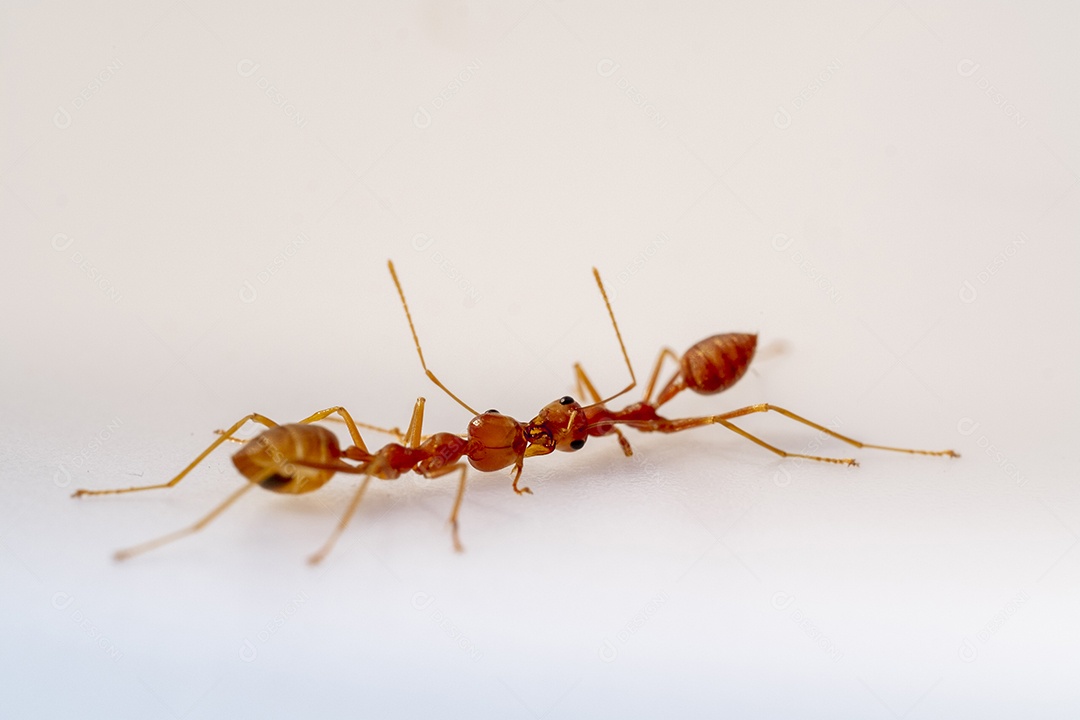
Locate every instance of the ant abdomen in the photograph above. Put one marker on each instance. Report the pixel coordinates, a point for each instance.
(712, 365)
(717, 363)
(270, 458)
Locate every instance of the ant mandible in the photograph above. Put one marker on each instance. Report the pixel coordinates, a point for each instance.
(301, 457)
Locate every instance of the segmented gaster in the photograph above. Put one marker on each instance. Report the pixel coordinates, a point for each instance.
(270, 458)
(717, 363)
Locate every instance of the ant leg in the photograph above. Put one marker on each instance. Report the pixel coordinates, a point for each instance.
(416, 341)
(670, 426)
(413, 435)
(349, 422)
(765, 407)
(412, 440)
(664, 353)
(457, 506)
(139, 549)
(585, 385)
(225, 436)
(349, 511)
(517, 476)
(687, 423)
(394, 432)
(457, 499)
(325, 415)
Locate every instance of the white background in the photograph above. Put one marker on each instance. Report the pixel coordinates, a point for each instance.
(198, 204)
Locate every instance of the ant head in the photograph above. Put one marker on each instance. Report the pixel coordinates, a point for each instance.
(495, 441)
(561, 425)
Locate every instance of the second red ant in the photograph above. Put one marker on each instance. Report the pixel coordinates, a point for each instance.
(301, 457)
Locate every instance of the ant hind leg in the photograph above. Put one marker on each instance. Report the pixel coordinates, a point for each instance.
(354, 503)
(687, 423)
(226, 435)
(150, 545)
(412, 439)
(765, 407)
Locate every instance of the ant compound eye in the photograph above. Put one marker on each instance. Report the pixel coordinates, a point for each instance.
(492, 412)
(577, 444)
(566, 400)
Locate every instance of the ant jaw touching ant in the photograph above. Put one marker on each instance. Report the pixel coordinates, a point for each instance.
(540, 441)
(560, 425)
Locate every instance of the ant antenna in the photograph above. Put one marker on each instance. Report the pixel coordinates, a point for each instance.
(416, 340)
(611, 314)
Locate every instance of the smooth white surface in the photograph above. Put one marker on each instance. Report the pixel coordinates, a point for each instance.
(198, 204)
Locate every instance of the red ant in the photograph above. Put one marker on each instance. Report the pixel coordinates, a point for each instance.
(301, 457)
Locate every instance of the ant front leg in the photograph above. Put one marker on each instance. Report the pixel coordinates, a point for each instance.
(585, 388)
(522, 490)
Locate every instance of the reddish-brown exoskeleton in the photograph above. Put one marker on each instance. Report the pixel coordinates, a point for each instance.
(711, 366)
(301, 457)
